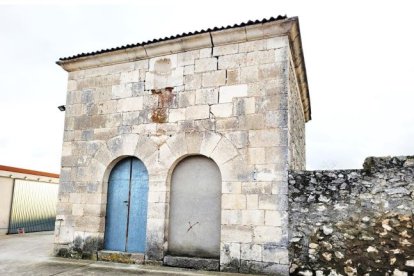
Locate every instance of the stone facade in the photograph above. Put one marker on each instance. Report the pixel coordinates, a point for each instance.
(238, 96)
(353, 222)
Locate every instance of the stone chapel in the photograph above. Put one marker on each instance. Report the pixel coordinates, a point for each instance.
(176, 151)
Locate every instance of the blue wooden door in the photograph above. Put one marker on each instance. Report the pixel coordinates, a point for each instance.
(126, 215)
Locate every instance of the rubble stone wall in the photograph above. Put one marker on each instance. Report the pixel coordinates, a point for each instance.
(353, 222)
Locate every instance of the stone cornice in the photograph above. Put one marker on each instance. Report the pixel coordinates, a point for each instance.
(287, 27)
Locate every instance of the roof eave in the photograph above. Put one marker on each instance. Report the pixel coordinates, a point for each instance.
(285, 27)
(177, 45)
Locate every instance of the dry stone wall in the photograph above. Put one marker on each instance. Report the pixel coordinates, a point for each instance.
(353, 222)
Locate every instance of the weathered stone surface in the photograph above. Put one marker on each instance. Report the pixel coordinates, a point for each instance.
(195, 263)
(120, 257)
(353, 221)
(230, 102)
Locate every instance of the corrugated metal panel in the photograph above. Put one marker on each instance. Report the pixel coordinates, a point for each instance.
(34, 206)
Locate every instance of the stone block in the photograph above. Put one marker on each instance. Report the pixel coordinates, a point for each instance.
(235, 233)
(121, 91)
(135, 118)
(159, 80)
(249, 74)
(260, 57)
(269, 202)
(186, 98)
(130, 104)
(243, 106)
(137, 88)
(269, 172)
(233, 61)
(233, 76)
(205, 65)
(274, 254)
(252, 217)
(107, 107)
(267, 234)
(214, 78)
(207, 96)
(176, 115)
(231, 187)
(187, 58)
(225, 50)
(230, 255)
(121, 257)
(156, 210)
(192, 82)
(130, 76)
(193, 141)
(276, 154)
(95, 210)
(251, 252)
(252, 122)
(192, 262)
(157, 196)
(276, 119)
(256, 155)
(252, 201)
(72, 85)
(77, 209)
(141, 64)
(227, 93)
(256, 188)
(222, 110)
(197, 112)
(231, 217)
(225, 124)
(170, 60)
(265, 137)
(240, 139)
(224, 151)
(188, 70)
(209, 143)
(75, 198)
(273, 218)
(206, 52)
(277, 42)
(251, 46)
(269, 71)
(233, 201)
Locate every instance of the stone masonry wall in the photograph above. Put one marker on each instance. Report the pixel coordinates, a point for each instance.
(227, 102)
(353, 222)
(296, 125)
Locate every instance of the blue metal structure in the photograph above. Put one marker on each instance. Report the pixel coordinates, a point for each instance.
(126, 211)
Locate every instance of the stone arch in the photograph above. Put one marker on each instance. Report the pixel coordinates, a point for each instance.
(126, 207)
(195, 197)
(111, 152)
(210, 144)
(160, 155)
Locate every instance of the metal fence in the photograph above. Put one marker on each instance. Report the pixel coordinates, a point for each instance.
(33, 206)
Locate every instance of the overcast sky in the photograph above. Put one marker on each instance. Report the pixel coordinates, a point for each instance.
(359, 58)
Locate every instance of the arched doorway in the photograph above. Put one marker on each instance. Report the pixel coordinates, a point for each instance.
(195, 208)
(126, 210)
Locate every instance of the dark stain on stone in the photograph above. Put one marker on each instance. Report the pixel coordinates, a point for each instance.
(81, 248)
